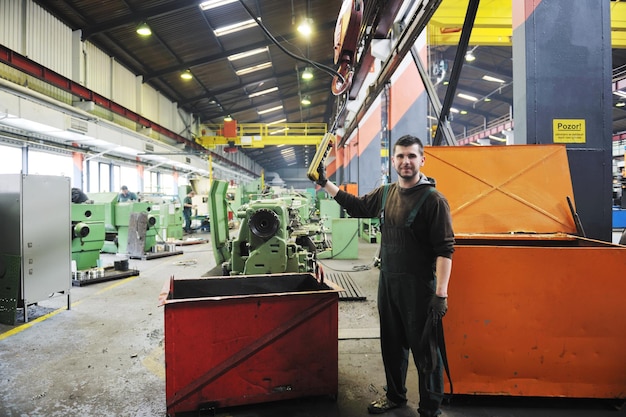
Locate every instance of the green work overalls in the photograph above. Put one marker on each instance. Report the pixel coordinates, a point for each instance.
(406, 285)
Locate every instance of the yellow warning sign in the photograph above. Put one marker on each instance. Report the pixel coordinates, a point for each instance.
(568, 131)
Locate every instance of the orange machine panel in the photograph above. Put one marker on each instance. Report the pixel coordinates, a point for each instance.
(504, 189)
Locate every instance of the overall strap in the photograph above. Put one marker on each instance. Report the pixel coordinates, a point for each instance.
(418, 206)
(382, 205)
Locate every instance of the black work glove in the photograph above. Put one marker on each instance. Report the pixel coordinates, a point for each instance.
(321, 172)
(438, 305)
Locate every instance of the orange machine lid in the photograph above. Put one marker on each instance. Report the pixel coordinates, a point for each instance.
(504, 189)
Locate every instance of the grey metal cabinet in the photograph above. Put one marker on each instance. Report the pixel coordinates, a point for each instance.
(36, 226)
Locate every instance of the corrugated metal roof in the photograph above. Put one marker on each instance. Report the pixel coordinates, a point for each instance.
(183, 38)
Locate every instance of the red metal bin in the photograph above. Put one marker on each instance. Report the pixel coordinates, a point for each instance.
(249, 339)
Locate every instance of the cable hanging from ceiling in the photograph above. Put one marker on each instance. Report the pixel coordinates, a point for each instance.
(318, 65)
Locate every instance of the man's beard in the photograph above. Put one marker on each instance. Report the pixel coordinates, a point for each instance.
(412, 175)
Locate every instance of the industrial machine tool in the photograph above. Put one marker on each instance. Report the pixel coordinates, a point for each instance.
(117, 222)
(276, 234)
(169, 210)
(87, 234)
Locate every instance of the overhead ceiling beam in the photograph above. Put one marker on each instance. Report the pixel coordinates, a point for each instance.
(134, 18)
(480, 95)
(240, 85)
(494, 24)
(224, 55)
(472, 8)
(481, 66)
(400, 49)
(264, 100)
(384, 17)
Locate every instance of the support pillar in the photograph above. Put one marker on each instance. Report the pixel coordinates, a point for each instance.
(562, 94)
(78, 179)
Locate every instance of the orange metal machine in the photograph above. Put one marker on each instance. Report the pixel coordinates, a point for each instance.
(535, 308)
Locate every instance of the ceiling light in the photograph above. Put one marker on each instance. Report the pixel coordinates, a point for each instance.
(228, 118)
(620, 104)
(144, 30)
(254, 68)
(246, 54)
(277, 121)
(306, 100)
(226, 30)
(467, 97)
(469, 55)
(306, 27)
(619, 93)
(487, 99)
(453, 110)
(270, 109)
(186, 75)
(499, 139)
(277, 131)
(307, 74)
(463, 111)
(492, 79)
(262, 92)
(212, 4)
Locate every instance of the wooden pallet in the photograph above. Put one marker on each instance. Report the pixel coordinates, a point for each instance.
(351, 292)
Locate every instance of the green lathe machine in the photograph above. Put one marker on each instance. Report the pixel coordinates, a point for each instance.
(87, 234)
(276, 234)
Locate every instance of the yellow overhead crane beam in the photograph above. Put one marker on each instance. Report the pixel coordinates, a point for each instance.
(493, 25)
(259, 135)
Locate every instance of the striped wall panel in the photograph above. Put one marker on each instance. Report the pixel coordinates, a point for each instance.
(48, 40)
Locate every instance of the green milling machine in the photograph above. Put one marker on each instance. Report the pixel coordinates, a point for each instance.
(169, 210)
(118, 220)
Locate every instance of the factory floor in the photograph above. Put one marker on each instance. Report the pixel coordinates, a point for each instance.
(105, 356)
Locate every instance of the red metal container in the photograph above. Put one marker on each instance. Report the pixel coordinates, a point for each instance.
(249, 339)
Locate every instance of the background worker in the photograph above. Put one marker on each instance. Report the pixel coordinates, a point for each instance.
(188, 206)
(416, 260)
(78, 196)
(126, 195)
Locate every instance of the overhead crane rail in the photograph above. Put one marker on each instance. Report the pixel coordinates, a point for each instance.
(259, 135)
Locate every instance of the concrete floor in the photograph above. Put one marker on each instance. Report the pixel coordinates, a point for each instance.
(105, 356)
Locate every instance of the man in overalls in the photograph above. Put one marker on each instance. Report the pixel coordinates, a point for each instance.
(416, 260)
